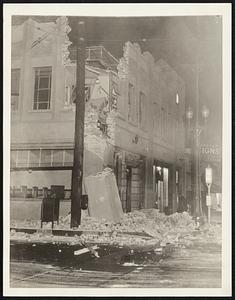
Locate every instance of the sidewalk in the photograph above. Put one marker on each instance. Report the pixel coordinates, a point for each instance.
(146, 229)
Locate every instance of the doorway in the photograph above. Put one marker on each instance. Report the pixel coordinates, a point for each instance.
(161, 187)
(128, 188)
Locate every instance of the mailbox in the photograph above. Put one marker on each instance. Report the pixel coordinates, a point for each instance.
(50, 207)
(57, 192)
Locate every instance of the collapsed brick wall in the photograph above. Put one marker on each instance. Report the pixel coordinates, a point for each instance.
(101, 144)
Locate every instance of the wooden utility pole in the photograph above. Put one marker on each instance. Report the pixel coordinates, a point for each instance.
(77, 172)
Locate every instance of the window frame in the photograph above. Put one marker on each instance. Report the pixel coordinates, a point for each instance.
(131, 109)
(142, 110)
(49, 88)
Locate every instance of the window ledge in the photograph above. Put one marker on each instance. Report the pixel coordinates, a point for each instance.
(40, 111)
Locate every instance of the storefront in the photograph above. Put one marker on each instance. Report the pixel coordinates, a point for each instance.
(130, 175)
(168, 184)
(161, 185)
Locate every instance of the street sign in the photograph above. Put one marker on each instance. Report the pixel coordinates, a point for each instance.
(210, 152)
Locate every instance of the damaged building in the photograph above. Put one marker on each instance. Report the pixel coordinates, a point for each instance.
(133, 118)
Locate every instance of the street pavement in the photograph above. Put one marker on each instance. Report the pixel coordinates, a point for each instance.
(197, 266)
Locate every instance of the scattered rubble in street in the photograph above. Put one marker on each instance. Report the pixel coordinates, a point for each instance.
(147, 228)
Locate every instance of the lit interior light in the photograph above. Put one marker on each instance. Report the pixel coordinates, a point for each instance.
(177, 100)
(205, 112)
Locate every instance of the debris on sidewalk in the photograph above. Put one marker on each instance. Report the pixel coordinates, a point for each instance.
(142, 229)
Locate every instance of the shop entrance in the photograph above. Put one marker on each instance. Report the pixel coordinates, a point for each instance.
(128, 188)
(161, 187)
(130, 175)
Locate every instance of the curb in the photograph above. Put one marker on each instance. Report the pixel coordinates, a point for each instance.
(62, 232)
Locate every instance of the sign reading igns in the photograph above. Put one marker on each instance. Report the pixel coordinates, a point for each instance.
(211, 152)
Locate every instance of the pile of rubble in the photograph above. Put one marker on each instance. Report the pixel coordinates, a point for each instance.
(142, 228)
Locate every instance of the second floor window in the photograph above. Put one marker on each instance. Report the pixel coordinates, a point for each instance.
(142, 110)
(131, 106)
(42, 88)
(15, 89)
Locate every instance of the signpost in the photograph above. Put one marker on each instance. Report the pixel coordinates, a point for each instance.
(208, 197)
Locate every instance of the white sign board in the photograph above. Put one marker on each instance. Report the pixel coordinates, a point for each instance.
(208, 175)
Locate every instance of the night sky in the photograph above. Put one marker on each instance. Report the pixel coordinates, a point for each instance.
(177, 40)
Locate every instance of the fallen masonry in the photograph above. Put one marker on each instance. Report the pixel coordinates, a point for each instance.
(144, 229)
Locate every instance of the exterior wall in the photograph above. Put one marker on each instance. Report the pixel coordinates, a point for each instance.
(161, 136)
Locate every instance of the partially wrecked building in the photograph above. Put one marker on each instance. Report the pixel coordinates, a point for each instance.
(133, 118)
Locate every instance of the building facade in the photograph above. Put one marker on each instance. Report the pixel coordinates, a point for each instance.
(133, 118)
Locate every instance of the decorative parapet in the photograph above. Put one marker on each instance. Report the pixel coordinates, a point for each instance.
(123, 66)
(63, 30)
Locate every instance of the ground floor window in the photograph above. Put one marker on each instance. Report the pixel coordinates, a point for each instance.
(40, 158)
